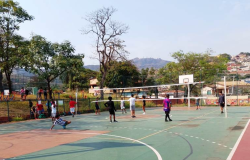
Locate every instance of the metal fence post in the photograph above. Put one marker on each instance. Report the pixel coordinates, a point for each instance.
(8, 110)
(64, 108)
(89, 103)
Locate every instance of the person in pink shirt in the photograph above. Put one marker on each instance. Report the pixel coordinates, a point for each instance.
(167, 107)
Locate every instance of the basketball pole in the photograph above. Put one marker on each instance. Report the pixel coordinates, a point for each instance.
(225, 96)
(188, 96)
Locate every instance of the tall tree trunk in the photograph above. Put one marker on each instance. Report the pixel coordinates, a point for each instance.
(9, 82)
(102, 83)
(50, 93)
(1, 81)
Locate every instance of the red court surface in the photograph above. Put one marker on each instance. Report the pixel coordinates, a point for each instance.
(241, 149)
(15, 144)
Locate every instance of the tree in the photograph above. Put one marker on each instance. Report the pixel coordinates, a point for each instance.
(122, 73)
(109, 46)
(78, 77)
(50, 60)
(202, 65)
(12, 46)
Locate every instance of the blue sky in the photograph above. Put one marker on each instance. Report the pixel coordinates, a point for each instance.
(157, 27)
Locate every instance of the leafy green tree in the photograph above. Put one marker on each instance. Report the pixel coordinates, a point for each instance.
(50, 60)
(202, 65)
(122, 74)
(78, 78)
(12, 46)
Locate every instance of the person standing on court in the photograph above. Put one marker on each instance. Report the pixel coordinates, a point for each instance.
(110, 104)
(197, 102)
(221, 101)
(144, 104)
(167, 107)
(132, 105)
(72, 106)
(97, 108)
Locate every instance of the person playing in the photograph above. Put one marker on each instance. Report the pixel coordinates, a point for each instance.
(132, 106)
(39, 108)
(97, 108)
(60, 121)
(33, 112)
(221, 101)
(72, 106)
(111, 106)
(123, 106)
(40, 91)
(45, 94)
(22, 92)
(26, 93)
(167, 107)
(53, 110)
(197, 102)
(48, 104)
(144, 104)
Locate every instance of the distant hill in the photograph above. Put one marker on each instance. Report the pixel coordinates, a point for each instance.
(139, 63)
(149, 62)
(93, 67)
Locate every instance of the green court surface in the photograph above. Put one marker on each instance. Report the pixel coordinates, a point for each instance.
(193, 135)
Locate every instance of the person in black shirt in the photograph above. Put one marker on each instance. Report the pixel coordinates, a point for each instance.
(144, 105)
(111, 106)
(97, 108)
(221, 101)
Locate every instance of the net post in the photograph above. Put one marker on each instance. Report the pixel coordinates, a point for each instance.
(188, 96)
(225, 96)
(76, 102)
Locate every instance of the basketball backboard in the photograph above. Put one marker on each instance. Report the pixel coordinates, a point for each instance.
(186, 79)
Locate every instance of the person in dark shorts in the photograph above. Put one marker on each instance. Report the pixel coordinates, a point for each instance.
(97, 108)
(111, 106)
(221, 101)
(144, 104)
(197, 102)
(167, 107)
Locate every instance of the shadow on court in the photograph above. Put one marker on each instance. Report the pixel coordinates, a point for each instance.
(81, 148)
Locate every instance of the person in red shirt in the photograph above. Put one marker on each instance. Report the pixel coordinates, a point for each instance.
(72, 107)
(39, 108)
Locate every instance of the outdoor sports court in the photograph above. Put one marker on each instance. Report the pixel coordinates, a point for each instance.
(193, 135)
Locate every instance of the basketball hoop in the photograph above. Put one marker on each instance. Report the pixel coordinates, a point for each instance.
(185, 80)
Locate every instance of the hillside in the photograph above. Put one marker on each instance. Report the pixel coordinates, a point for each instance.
(139, 63)
(149, 62)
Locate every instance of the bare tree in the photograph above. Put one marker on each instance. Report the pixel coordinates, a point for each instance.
(109, 46)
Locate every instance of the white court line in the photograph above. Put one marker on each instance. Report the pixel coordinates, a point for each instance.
(237, 143)
(134, 140)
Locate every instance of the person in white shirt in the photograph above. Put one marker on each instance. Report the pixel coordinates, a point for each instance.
(61, 122)
(123, 106)
(132, 105)
(53, 110)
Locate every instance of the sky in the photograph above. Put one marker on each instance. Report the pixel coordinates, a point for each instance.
(157, 28)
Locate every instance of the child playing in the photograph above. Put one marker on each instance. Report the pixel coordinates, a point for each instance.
(144, 105)
(53, 110)
(132, 106)
(197, 101)
(72, 106)
(97, 108)
(60, 121)
(123, 106)
(112, 109)
(167, 107)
